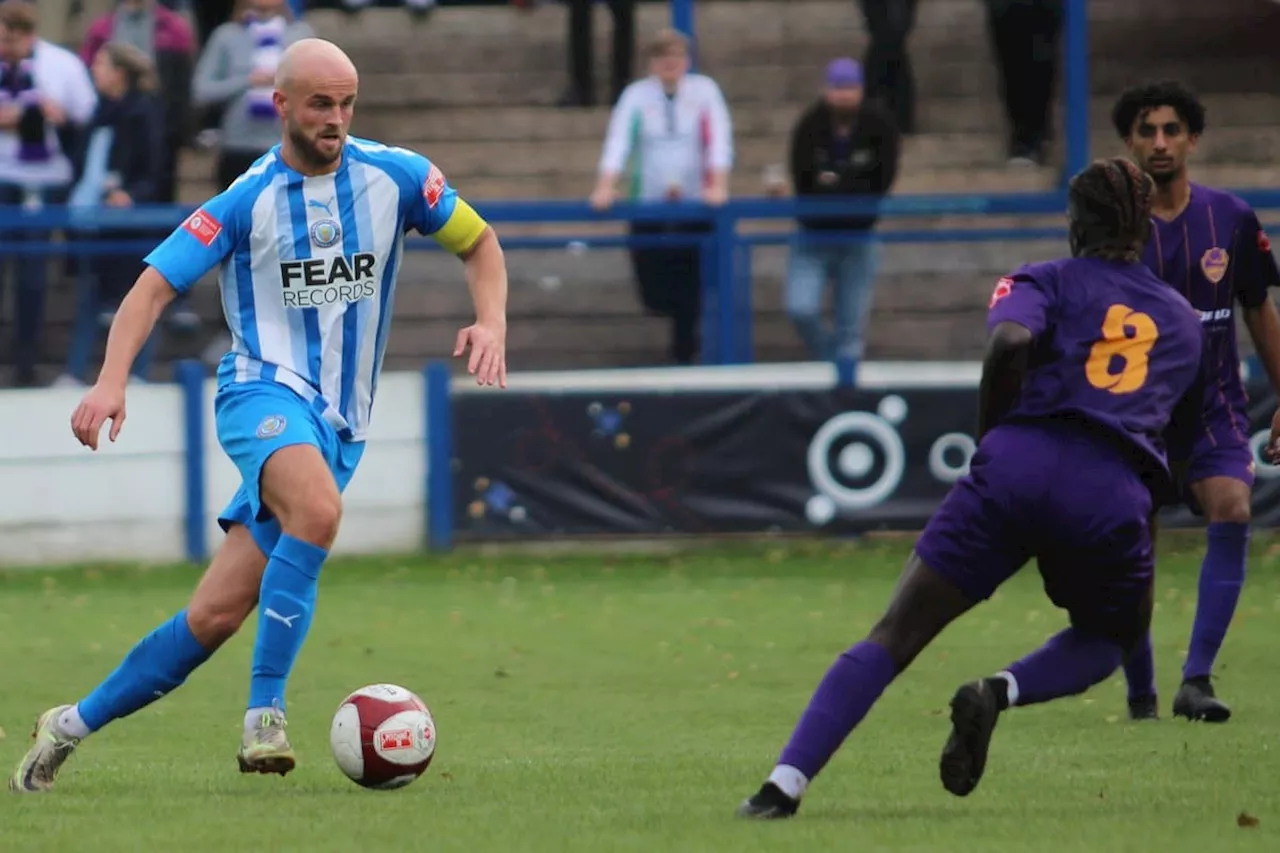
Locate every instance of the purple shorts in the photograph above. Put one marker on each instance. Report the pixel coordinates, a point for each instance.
(1222, 450)
(1054, 493)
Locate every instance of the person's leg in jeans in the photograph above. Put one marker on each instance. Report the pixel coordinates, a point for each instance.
(31, 282)
(84, 330)
(802, 296)
(889, 74)
(855, 279)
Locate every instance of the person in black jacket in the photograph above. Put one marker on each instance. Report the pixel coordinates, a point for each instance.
(840, 146)
(120, 165)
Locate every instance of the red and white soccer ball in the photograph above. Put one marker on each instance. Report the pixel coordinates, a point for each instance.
(383, 737)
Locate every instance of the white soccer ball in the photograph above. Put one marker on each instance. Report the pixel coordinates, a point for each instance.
(383, 737)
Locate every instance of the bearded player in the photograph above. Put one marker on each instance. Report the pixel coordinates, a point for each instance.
(1208, 245)
(309, 241)
(1087, 360)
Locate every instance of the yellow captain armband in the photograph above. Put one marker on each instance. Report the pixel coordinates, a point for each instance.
(462, 230)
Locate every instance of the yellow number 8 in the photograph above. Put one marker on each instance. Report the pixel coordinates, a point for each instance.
(1127, 335)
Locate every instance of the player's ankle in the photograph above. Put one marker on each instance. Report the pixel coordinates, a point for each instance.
(1005, 689)
(789, 781)
(71, 724)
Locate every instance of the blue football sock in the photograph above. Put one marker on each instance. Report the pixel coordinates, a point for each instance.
(157, 665)
(287, 599)
(1140, 671)
(1221, 578)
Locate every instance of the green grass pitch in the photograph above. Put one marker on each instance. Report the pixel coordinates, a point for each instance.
(629, 703)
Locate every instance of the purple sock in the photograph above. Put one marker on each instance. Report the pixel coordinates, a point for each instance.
(1068, 664)
(845, 695)
(1221, 577)
(1140, 671)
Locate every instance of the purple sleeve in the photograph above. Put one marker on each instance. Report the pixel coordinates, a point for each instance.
(1256, 267)
(1025, 298)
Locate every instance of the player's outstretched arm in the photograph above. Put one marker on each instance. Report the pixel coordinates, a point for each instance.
(1003, 369)
(486, 269)
(133, 324)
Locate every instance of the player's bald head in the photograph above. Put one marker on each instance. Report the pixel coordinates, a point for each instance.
(312, 61)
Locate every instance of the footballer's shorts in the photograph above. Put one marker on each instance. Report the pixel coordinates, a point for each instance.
(1221, 450)
(1070, 500)
(253, 421)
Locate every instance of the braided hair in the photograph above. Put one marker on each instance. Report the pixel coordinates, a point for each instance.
(1109, 208)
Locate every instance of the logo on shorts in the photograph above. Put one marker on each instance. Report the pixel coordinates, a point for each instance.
(272, 425)
(1213, 263)
(325, 232)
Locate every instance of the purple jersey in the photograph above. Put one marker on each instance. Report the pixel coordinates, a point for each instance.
(1113, 347)
(1215, 253)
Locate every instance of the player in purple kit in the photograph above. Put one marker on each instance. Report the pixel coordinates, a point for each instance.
(1209, 246)
(1087, 360)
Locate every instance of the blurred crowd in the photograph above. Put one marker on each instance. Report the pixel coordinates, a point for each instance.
(102, 123)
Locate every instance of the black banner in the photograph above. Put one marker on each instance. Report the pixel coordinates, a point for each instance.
(837, 461)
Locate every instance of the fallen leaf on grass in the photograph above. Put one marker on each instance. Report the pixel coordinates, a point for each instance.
(1244, 820)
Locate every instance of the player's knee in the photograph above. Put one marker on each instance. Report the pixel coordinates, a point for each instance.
(212, 622)
(1233, 510)
(315, 519)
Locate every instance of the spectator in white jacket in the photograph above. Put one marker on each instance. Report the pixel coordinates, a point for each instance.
(671, 131)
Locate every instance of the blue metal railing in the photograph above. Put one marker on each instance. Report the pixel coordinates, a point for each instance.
(726, 275)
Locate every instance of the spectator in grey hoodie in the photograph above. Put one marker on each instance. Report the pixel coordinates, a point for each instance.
(236, 73)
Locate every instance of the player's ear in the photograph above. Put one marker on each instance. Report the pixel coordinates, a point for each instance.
(278, 98)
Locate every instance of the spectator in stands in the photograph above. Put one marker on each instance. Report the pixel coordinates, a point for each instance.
(119, 165)
(889, 75)
(46, 97)
(582, 87)
(674, 128)
(1025, 36)
(417, 8)
(841, 146)
(236, 72)
(165, 37)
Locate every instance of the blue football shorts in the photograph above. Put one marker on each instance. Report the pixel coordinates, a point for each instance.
(253, 421)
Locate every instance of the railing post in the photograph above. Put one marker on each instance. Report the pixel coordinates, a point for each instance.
(682, 19)
(746, 352)
(1076, 53)
(723, 226)
(189, 375)
(438, 418)
(846, 372)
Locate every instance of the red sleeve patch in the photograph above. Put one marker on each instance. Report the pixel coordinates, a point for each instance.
(433, 186)
(1264, 243)
(1003, 288)
(203, 227)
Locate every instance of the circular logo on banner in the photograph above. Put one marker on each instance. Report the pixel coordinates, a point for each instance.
(1263, 469)
(272, 425)
(949, 456)
(843, 453)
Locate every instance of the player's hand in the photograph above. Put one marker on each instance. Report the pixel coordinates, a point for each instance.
(1273, 446)
(103, 403)
(715, 195)
(602, 198)
(488, 361)
(53, 113)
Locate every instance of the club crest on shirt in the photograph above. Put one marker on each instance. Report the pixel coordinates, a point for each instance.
(272, 425)
(325, 232)
(1213, 263)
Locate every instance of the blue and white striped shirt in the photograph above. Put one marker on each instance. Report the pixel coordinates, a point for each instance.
(308, 268)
